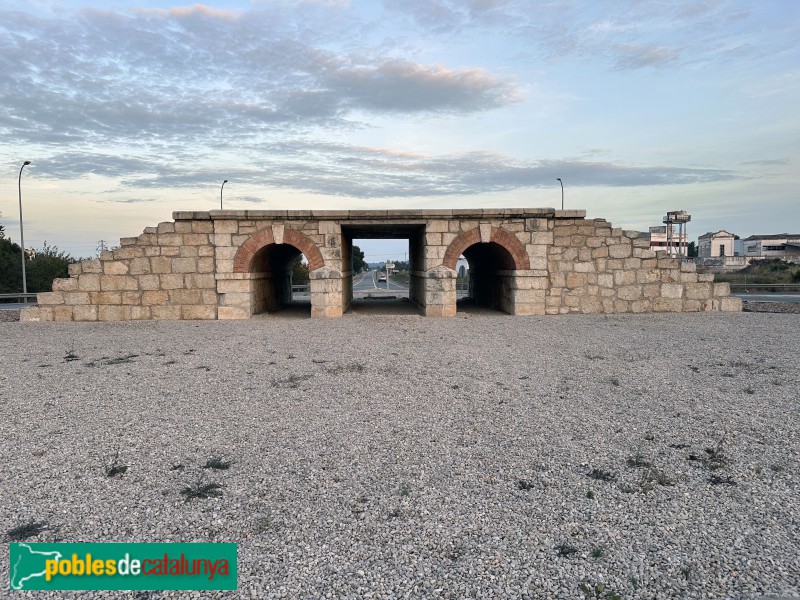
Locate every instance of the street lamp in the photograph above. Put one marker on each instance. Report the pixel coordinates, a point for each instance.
(220, 193)
(562, 192)
(21, 236)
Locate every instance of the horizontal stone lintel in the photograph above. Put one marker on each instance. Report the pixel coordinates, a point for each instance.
(219, 276)
(389, 214)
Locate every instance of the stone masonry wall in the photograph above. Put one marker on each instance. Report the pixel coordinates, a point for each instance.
(165, 273)
(595, 268)
(211, 265)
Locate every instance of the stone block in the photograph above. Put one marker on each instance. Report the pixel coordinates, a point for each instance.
(619, 251)
(641, 306)
(621, 306)
(128, 253)
(166, 313)
(184, 296)
(232, 312)
(705, 277)
(63, 313)
(36, 313)
(205, 265)
(667, 305)
(152, 251)
(130, 298)
(575, 280)
(629, 292)
(172, 282)
(601, 252)
(115, 267)
(139, 266)
(649, 276)
(184, 265)
(605, 280)
(105, 297)
(84, 313)
(205, 280)
(141, 313)
(688, 267)
(69, 284)
(199, 312)
(668, 263)
(226, 226)
(437, 226)
(166, 227)
(190, 251)
(631, 264)
(671, 290)
(107, 312)
(669, 275)
(205, 251)
(542, 238)
(149, 282)
(731, 304)
(643, 253)
(202, 227)
(624, 277)
(583, 267)
(170, 239)
(151, 297)
(76, 298)
(118, 283)
(73, 269)
(720, 289)
(225, 286)
(160, 264)
(48, 298)
(698, 291)
(692, 306)
(688, 277)
(209, 296)
(150, 230)
(591, 304)
(183, 227)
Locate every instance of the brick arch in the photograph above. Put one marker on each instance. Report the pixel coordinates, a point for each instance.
(499, 236)
(244, 256)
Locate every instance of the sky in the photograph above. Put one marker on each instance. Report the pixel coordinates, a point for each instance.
(131, 110)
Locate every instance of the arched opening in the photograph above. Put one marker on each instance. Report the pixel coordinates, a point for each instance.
(280, 280)
(487, 281)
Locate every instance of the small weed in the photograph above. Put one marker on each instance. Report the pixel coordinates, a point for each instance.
(590, 495)
(718, 480)
(293, 381)
(650, 436)
(598, 552)
(653, 477)
(395, 514)
(525, 485)
(290, 356)
(592, 356)
(28, 530)
(217, 462)
(776, 382)
(615, 381)
(354, 367)
(679, 446)
(598, 592)
(405, 490)
(263, 524)
(758, 469)
(601, 475)
(638, 460)
(565, 550)
(177, 467)
(70, 354)
(749, 390)
(202, 490)
(715, 457)
(686, 572)
(777, 468)
(114, 466)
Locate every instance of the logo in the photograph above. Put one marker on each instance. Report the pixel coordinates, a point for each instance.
(82, 566)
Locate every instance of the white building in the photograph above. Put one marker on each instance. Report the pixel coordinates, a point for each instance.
(720, 243)
(777, 245)
(677, 243)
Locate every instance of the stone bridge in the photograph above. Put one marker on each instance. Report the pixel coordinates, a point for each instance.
(232, 264)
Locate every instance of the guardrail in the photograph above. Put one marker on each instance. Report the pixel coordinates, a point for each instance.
(301, 288)
(772, 287)
(18, 297)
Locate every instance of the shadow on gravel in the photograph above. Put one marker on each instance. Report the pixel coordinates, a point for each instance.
(388, 305)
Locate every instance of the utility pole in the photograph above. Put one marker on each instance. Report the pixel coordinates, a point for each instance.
(101, 247)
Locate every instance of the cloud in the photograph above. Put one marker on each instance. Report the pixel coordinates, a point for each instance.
(635, 56)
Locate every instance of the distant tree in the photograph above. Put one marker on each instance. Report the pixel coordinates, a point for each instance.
(50, 263)
(10, 267)
(359, 264)
(691, 250)
(2, 232)
(299, 271)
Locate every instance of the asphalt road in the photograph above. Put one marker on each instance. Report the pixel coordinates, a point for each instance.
(768, 297)
(367, 282)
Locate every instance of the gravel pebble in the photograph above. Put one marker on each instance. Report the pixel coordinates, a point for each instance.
(484, 456)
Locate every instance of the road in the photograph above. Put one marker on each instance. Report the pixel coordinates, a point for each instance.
(368, 282)
(768, 297)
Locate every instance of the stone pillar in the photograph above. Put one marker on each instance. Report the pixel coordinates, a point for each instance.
(440, 292)
(326, 293)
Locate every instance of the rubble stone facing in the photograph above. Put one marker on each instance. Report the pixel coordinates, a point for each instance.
(203, 265)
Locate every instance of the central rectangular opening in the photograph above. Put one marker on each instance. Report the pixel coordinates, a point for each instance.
(386, 267)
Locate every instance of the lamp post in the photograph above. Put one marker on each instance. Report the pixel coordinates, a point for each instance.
(562, 191)
(220, 193)
(21, 236)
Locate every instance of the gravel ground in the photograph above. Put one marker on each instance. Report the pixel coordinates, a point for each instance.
(395, 456)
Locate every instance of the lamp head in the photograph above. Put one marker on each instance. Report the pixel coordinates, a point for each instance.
(226, 181)
(559, 179)
(27, 162)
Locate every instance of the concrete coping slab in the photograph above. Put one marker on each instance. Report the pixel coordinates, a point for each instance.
(378, 215)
